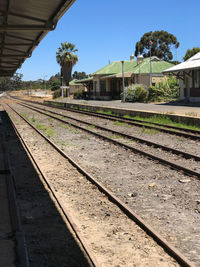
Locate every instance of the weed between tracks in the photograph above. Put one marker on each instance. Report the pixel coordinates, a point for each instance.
(163, 120)
(119, 123)
(48, 130)
(115, 136)
(71, 130)
(109, 112)
(91, 126)
(149, 131)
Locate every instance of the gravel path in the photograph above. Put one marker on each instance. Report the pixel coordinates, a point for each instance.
(163, 197)
(114, 239)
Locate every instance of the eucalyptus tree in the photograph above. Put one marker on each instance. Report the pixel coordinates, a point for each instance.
(67, 58)
(159, 42)
(191, 52)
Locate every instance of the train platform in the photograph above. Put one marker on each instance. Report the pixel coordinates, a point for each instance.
(7, 242)
(176, 108)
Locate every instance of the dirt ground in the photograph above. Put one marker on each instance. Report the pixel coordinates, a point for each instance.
(168, 200)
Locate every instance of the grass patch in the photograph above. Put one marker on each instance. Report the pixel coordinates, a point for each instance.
(33, 120)
(62, 125)
(149, 131)
(67, 126)
(130, 141)
(119, 123)
(108, 112)
(115, 136)
(25, 116)
(155, 119)
(128, 117)
(164, 120)
(63, 143)
(71, 130)
(91, 126)
(46, 129)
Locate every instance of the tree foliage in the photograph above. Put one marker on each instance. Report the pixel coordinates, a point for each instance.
(67, 58)
(191, 52)
(11, 83)
(162, 43)
(79, 75)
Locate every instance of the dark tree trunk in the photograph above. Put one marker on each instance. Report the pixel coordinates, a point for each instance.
(67, 71)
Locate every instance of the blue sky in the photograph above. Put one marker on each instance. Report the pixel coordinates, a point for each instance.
(108, 30)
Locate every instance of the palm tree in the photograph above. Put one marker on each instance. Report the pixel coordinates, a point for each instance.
(67, 58)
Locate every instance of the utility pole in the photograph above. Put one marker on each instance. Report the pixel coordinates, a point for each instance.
(150, 76)
(44, 81)
(61, 79)
(123, 85)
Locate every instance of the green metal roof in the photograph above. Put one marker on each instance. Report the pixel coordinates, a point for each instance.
(131, 66)
(82, 81)
(157, 66)
(116, 67)
(73, 82)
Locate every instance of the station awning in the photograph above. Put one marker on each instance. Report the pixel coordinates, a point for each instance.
(23, 24)
(190, 64)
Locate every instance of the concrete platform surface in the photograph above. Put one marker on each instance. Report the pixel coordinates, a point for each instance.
(192, 110)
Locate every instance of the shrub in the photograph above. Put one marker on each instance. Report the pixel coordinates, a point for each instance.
(164, 91)
(156, 93)
(57, 93)
(55, 85)
(134, 93)
(81, 94)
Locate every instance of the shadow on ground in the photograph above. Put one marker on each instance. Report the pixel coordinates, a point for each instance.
(180, 103)
(49, 241)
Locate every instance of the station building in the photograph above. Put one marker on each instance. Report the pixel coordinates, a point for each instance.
(188, 73)
(106, 83)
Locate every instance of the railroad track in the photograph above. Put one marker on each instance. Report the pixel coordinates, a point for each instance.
(143, 152)
(179, 131)
(170, 249)
(173, 130)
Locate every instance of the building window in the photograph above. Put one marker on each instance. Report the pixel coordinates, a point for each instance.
(95, 86)
(103, 86)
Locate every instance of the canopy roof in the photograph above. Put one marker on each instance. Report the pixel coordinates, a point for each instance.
(23, 24)
(191, 63)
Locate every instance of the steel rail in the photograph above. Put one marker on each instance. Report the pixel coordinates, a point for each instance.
(135, 150)
(172, 251)
(66, 213)
(131, 137)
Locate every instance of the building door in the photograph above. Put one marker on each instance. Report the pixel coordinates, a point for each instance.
(113, 89)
